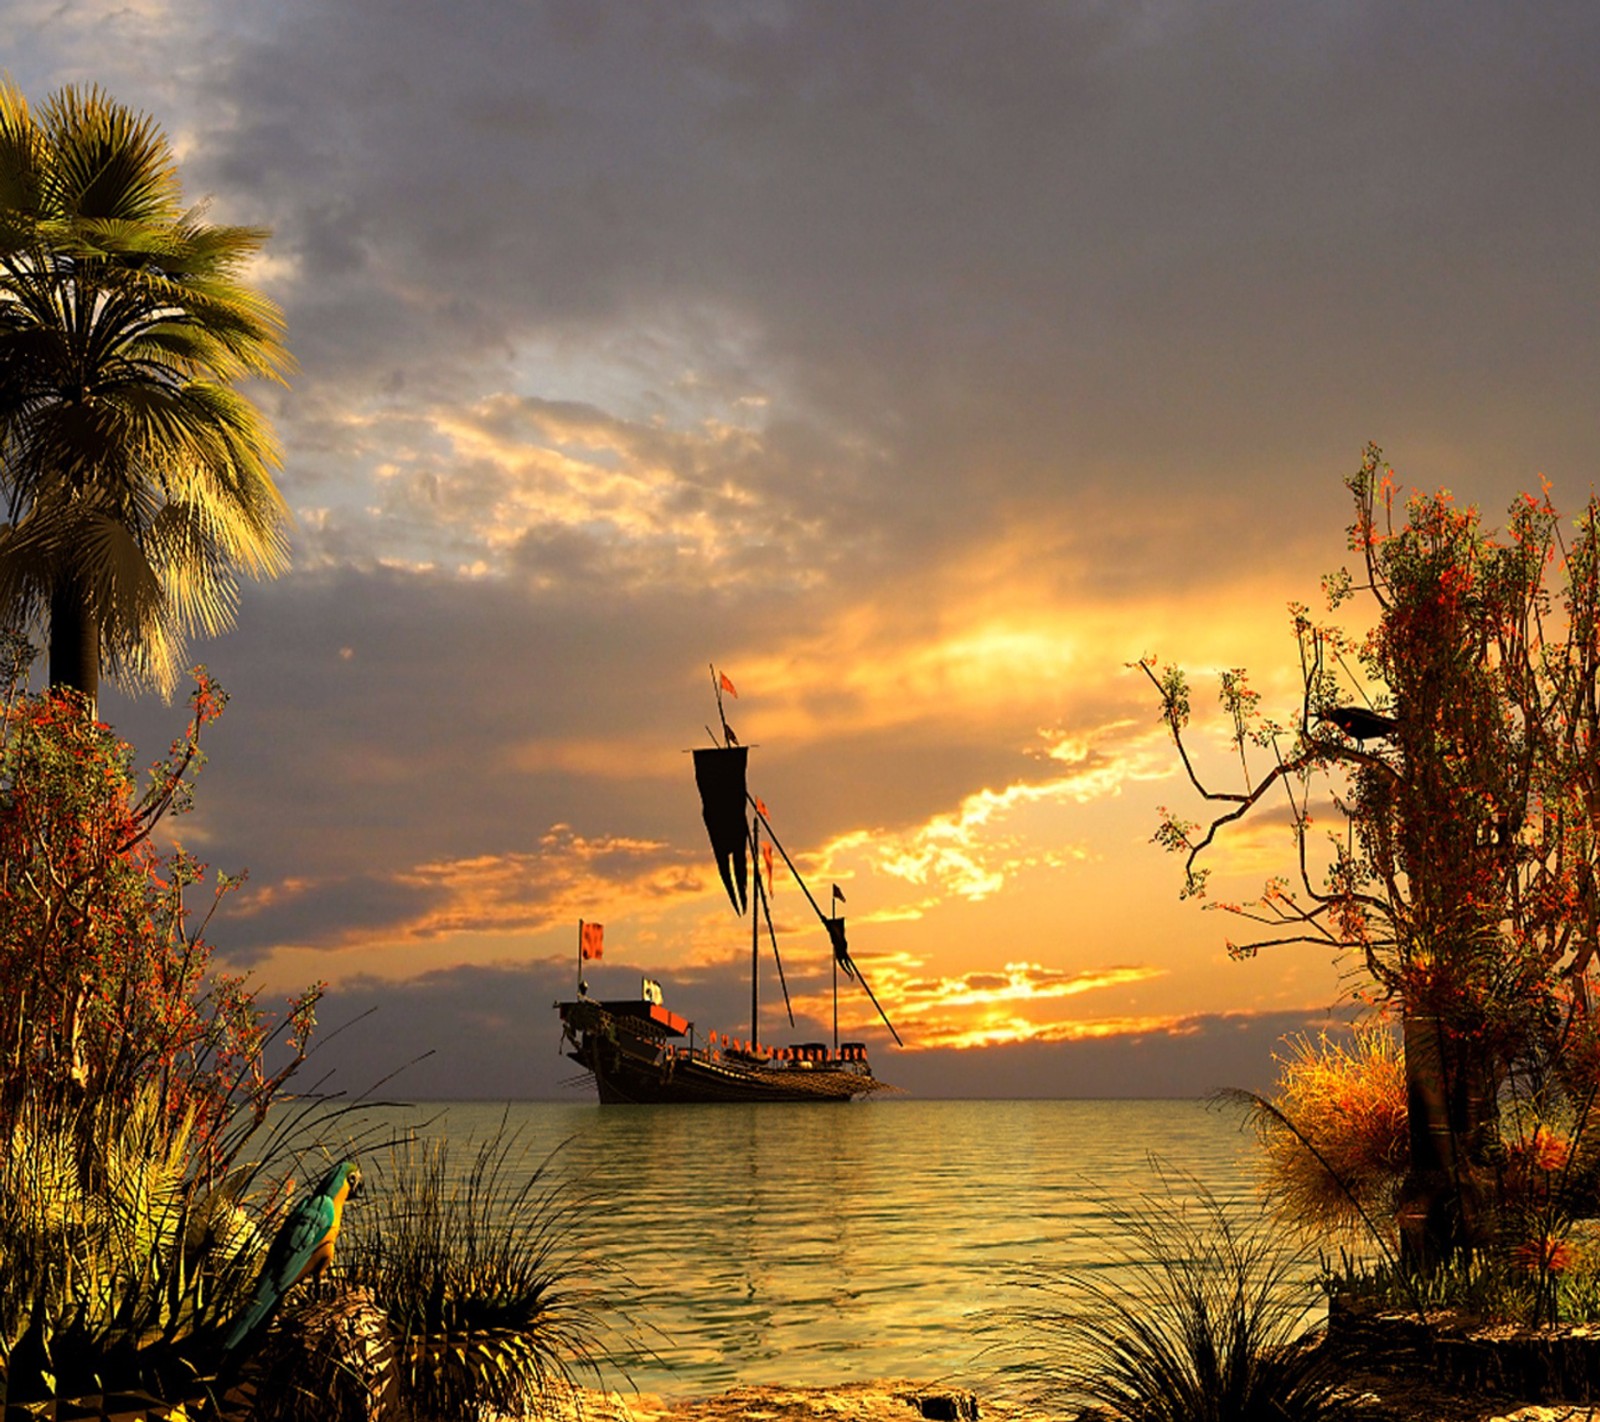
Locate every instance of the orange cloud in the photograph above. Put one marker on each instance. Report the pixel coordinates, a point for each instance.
(567, 877)
(970, 852)
(1020, 626)
(1021, 1002)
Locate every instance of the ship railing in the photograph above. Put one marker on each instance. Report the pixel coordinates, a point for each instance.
(804, 1057)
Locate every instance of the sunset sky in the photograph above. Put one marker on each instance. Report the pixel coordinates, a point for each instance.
(921, 365)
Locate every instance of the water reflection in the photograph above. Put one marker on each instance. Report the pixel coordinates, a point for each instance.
(828, 1243)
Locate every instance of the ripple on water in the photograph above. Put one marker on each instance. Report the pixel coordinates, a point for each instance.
(814, 1244)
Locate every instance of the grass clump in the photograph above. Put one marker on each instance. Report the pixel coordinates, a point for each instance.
(1334, 1136)
(1553, 1284)
(475, 1267)
(1199, 1312)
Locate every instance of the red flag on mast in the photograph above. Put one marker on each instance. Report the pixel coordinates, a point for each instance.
(727, 685)
(591, 940)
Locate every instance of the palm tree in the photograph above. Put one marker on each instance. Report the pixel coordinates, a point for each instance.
(138, 481)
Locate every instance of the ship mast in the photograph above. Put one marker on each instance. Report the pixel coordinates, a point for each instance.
(755, 933)
(834, 925)
(735, 834)
(833, 912)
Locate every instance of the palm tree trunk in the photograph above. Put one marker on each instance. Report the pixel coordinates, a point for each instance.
(74, 645)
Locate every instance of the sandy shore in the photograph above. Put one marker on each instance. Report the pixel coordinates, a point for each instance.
(1398, 1399)
(883, 1400)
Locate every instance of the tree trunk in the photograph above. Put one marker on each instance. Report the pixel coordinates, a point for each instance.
(74, 645)
(1425, 1216)
(1447, 1105)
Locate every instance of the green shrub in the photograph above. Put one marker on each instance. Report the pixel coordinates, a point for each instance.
(1557, 1283)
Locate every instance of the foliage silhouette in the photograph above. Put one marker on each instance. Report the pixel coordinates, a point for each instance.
(1462, 872)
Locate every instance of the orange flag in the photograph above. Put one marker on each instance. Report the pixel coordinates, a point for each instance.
(761, 807)
(591, 940)
(766, 854)
(727, 685)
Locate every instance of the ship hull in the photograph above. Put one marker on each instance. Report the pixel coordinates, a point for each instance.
(634, 1062)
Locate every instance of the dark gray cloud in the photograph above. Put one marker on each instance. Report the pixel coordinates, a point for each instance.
(322, 913)
(1066, 244)
(1011, 256)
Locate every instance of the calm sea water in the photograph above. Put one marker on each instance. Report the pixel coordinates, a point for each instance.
(813, 1244)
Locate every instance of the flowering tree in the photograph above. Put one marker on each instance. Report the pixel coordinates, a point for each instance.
(1455, 750)
(105, 982)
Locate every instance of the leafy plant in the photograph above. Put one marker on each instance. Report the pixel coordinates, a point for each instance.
(105, 974)
(132, 1077)
(1334, 1134)
(118, 1256)
(1197, 1312)
(475, 1270)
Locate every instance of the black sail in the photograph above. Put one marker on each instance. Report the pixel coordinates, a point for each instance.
(719, 775)
(841, 949)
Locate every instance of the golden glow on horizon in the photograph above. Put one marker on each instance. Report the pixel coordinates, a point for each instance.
(1020, 982)
(999, 1031)
(946, 653)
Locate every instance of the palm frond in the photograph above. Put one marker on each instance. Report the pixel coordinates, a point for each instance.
(108, 161)
(22, 160)
(124, 325)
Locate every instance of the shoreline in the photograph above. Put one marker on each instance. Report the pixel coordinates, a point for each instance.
(878, 1400)
(1397, 1397)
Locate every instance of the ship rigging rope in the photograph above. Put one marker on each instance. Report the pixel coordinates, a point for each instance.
(816, 908)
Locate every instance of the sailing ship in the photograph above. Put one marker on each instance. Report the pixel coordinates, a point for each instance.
(641, 1053)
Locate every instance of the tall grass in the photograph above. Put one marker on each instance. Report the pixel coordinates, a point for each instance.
(1198, 1312)
(491, 1304)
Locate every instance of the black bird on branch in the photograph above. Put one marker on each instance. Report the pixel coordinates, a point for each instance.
(1360, 724)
